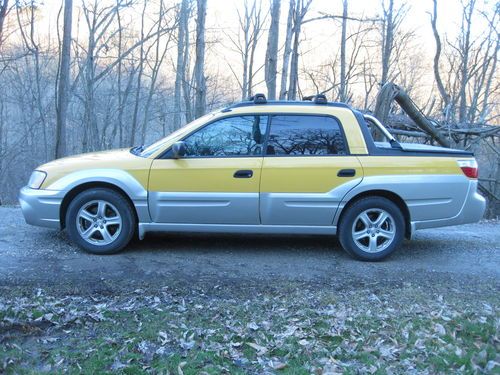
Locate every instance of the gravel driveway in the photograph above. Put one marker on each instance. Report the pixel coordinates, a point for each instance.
(32, 256)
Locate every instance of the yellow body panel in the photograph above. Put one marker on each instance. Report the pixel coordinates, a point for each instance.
(408, 165)
(115, 159)
(205, 175)
(306, 174)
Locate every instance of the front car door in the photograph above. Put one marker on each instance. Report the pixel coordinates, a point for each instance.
(217, 181)
(307, 170)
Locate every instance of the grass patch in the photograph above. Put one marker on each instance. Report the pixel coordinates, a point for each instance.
(290, 331)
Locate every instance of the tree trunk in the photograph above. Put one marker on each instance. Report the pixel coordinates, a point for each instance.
(343, 41)
(271, 64)
(390, 92)
(63, 80)
(142, 58)
(199, 65)
(437, 76)
(489, 81)
(288, 50)
(464, 69)
(294, 64)
(299, 14)
(180, 71)
(388, 38)
(4, 4)
(187, 82)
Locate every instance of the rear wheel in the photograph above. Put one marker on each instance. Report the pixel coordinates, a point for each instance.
(100, 221)
(372, 228)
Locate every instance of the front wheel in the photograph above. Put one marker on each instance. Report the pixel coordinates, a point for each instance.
(101, 221)
(372, 228)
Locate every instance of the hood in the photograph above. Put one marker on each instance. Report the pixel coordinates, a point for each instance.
(101, 159)
(121, 159)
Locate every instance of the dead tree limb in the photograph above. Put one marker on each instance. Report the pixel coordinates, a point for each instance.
(390, 92)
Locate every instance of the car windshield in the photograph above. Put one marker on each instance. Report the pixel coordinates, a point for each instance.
(146, 151)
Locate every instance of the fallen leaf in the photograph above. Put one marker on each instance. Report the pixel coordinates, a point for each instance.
(260, 349)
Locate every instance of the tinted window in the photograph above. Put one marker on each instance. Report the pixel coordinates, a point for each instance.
(232, 136)
(305, 135)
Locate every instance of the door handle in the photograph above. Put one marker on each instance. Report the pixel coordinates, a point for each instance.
(346, 173)
(244, 173)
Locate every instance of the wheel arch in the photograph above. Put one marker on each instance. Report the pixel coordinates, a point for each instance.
(71, 194)
(390, 195)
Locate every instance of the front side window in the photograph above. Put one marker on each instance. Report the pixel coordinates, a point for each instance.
(231, 136)
(305, 135)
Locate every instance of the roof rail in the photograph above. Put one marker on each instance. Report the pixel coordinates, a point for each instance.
(259, 99)
(318, 98)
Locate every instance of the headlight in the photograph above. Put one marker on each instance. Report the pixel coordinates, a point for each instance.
(36, 179)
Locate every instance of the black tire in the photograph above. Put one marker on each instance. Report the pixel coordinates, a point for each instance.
(115, 201)
(347, 230)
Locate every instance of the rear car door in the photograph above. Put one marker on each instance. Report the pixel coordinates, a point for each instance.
(217, 181)
(307, 170)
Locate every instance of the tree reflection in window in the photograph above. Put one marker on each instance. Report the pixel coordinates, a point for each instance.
(232, 136)
(305, 135)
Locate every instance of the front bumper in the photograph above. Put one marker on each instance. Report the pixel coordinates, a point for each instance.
(41, 207)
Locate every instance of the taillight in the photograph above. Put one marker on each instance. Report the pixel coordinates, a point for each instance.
(469, 167)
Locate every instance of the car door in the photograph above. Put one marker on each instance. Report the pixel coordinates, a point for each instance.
(217, 180)
(307, 170)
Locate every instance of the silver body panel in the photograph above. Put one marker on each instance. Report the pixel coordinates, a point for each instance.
(471, 211)
(41, 207)
(204, 208)
(117, 177)
(303, 208)
(432, 200)
(428, 197)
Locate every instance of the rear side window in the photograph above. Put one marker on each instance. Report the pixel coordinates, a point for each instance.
(305, 135)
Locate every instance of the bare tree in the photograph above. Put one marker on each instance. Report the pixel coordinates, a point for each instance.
(63, 80)
(301, 9)
(140, 70)
(199, 65)
(188, 81)
(387, 39)
(271, 64)
(180, 70)
(245, 43)
(33, 48)
(468, 70)
(437, 76)
(465, 44)
(287, 51)
(159, 56)
(343, 42)
(4, 6)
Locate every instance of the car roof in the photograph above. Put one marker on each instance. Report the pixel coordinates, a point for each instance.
(288, 102)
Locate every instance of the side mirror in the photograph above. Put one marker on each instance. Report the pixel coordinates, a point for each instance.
(179, 149)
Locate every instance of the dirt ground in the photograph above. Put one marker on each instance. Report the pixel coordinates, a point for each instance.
(241, 304)
(32, 256)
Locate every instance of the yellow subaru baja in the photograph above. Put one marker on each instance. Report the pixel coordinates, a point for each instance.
(260, 166)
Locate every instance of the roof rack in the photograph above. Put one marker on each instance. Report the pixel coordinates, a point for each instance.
(318, 99)
(258, 99)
